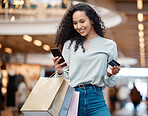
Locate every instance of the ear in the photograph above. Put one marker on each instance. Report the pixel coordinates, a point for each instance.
(91, 22)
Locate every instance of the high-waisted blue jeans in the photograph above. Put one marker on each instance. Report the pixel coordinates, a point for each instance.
(91, 102)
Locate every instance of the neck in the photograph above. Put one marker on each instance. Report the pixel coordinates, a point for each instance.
(92, 35)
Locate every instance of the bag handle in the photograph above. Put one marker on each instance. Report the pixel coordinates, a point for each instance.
(54, 74)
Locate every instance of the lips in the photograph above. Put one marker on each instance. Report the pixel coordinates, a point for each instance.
(81, 31)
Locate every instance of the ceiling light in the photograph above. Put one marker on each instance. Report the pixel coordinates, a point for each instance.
(141, 39)
(18, 2)
(142, 61)
(8, 50)
(142, 49)
(141, 34)
(140, 26)
(13, 18)
(142, 53)
(140, 17)
(4, 81)
(141, 45)
(139, 4)
(27, 38)
(37, 42)
(0, 45)
(46, 47)
(4, 90)
(142, 58)
(5, 74)
(51, 2)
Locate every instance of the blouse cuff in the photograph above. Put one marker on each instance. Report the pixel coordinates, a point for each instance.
(109, 81)
(59, 75)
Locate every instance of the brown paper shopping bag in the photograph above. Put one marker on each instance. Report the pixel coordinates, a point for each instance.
(46, 98)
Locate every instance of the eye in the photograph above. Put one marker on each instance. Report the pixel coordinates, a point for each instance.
(82, 21)
(74, 23)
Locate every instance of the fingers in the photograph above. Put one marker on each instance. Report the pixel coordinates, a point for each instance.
(115, 70)
(56, 60)
(60, 66)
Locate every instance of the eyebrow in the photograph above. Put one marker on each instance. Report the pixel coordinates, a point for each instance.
(79, 20)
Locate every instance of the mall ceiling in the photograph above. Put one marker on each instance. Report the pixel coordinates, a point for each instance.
(19, 45)
(125, 34)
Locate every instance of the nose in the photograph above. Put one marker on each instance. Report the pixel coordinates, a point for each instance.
(79, 25)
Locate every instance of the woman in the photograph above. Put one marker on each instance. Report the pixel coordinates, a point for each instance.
(87, 53)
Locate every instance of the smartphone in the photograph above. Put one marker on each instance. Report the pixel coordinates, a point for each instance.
(113, 63)
(56, 52)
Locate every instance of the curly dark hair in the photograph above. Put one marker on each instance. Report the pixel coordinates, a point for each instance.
(66, 29)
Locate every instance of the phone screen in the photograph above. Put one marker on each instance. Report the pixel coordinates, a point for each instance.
(56, 52)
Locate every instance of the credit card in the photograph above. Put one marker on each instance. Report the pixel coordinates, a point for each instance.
(113, 63)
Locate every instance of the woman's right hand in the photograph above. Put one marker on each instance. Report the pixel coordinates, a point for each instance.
(57, 66)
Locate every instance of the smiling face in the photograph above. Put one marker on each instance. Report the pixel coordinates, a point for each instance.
(82, 24)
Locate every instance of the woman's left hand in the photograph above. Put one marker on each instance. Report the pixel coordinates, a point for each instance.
(112, 70)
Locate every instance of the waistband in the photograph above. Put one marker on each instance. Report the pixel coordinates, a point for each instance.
(83, 85)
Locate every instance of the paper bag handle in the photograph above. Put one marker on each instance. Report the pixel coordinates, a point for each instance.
(54, 74)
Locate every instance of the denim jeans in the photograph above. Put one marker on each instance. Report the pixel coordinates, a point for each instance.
(91, 102)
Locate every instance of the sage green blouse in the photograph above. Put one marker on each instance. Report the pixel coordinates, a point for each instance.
(90, 66)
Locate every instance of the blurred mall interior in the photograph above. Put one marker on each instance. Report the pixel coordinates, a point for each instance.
(28, 30)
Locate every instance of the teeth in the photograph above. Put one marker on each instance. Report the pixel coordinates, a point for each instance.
(81, 31)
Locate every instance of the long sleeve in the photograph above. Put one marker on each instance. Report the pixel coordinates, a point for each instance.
(66, 55)
(110, 81)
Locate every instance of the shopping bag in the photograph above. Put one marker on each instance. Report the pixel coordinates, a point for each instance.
(67, 102)
(73, 109)
(46, 98)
